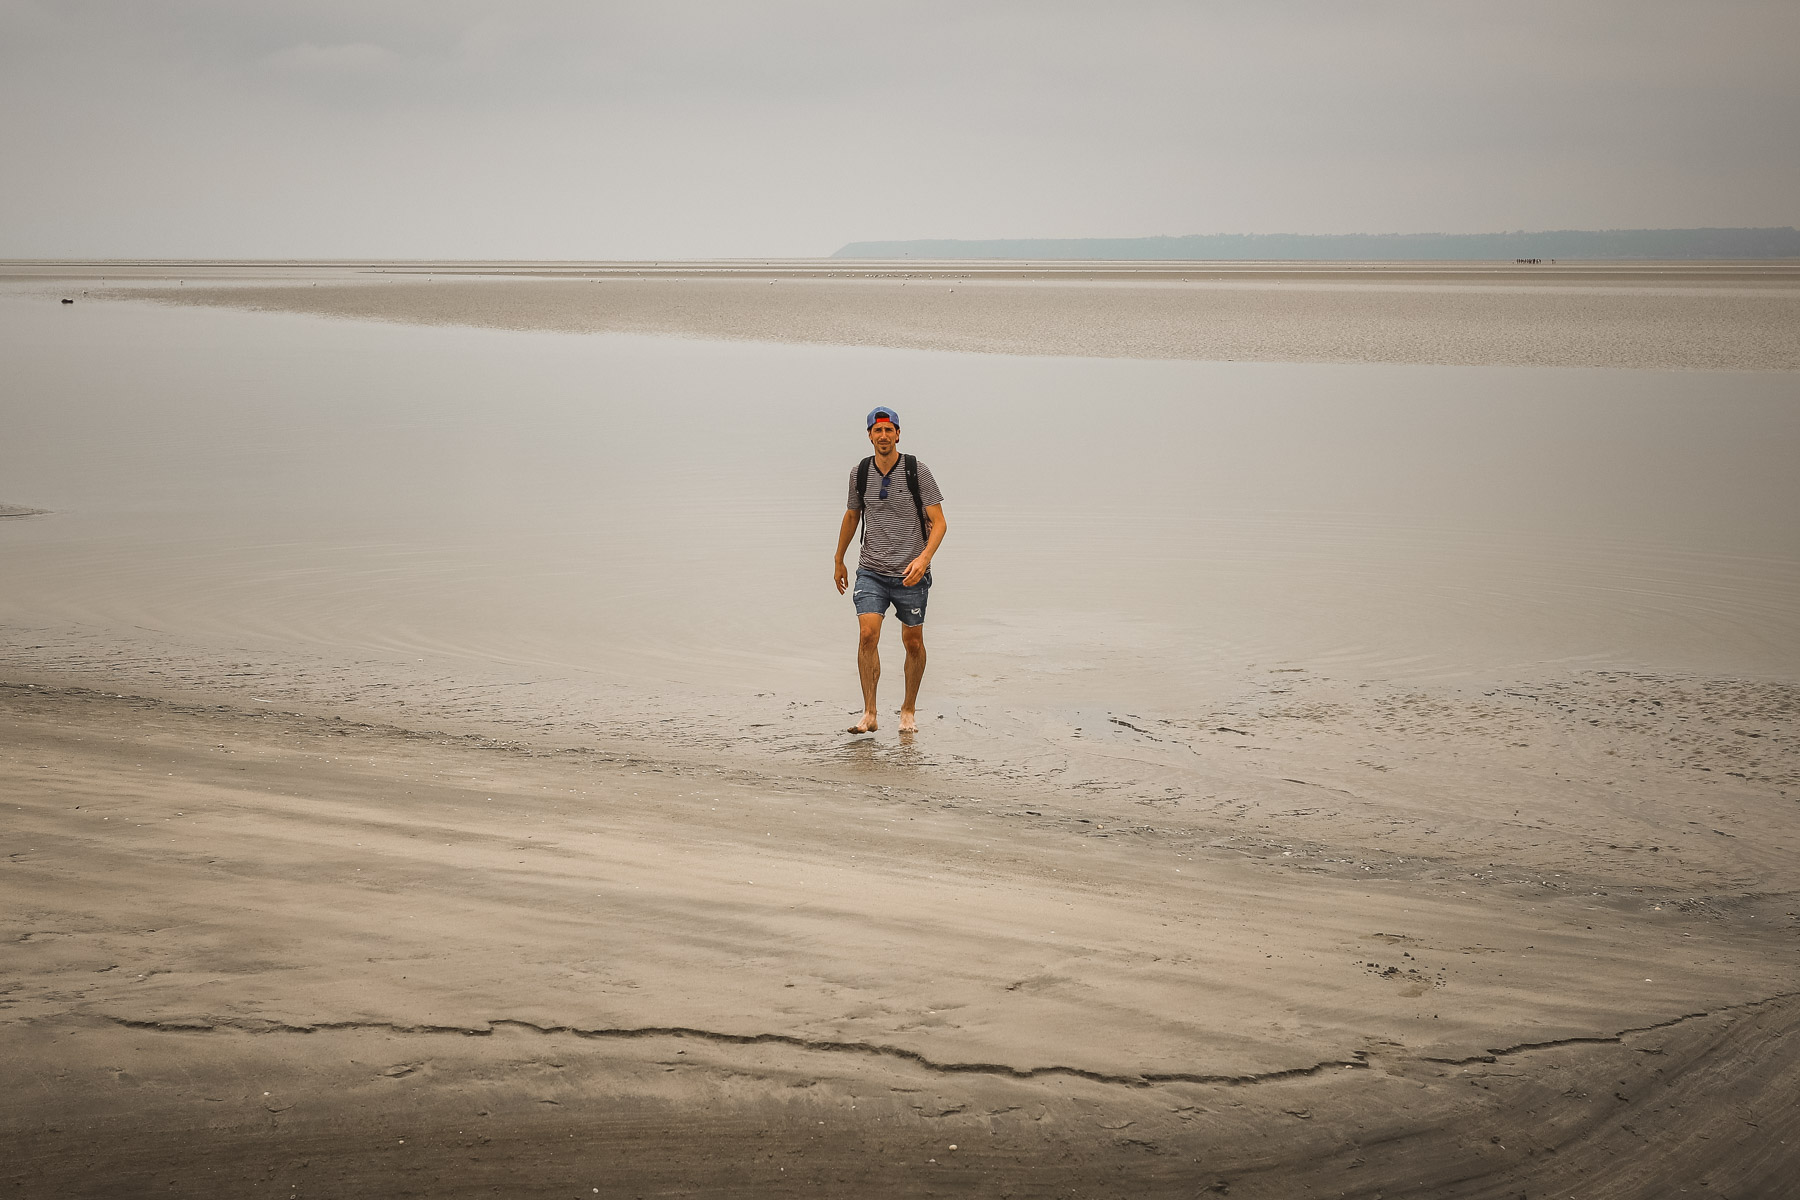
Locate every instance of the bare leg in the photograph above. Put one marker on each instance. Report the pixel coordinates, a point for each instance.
(868, 665)
(913, 638)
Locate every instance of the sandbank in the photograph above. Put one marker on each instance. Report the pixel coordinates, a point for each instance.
(1743, 316)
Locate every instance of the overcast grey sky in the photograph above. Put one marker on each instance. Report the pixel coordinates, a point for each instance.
(665, 128)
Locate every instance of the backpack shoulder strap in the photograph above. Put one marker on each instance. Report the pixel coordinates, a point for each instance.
(911, 463)
(862, 492)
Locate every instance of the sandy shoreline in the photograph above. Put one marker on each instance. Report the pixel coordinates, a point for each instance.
(311, 886)
(1685, 316)
(483, 947)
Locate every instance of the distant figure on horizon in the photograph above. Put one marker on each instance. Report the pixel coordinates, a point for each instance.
(902, 516)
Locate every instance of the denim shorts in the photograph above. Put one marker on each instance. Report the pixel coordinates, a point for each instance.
(875, 592)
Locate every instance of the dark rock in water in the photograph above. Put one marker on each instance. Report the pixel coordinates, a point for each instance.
(66, 300)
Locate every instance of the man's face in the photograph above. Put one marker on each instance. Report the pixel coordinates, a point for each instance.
(884, 436)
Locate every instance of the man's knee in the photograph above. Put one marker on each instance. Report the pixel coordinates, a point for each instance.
(869, 633)
(913, 638)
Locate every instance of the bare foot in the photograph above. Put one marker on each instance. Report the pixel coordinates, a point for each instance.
(867, 724)
(909, 722)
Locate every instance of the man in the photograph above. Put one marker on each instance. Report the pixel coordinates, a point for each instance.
(902, 514)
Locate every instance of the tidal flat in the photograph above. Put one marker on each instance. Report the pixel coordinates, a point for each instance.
(1359, 751)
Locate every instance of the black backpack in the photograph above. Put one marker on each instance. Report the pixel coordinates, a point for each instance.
(910, 467)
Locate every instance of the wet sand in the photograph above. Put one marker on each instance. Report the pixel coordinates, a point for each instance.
(304, 896)
(1406, 945)
(1670, 315)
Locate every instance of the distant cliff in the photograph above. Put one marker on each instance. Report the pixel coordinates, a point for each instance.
(1385, 247)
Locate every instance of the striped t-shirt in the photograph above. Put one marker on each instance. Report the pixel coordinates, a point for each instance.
(891, 536)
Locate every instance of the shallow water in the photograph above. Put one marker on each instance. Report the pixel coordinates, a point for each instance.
(644, 525)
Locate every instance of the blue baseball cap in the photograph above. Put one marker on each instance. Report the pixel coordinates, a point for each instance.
(883, 414)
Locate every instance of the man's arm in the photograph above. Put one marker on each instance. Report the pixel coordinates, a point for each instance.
(846, 531)
(915, 570)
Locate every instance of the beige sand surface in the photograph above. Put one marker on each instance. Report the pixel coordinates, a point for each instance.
(1433, 944)
(1686, 315)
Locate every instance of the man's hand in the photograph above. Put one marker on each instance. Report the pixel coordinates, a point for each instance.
(915, 571)
(842, 575)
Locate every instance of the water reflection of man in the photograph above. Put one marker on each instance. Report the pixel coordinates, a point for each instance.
(902, 515)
